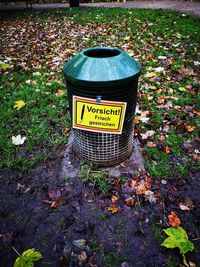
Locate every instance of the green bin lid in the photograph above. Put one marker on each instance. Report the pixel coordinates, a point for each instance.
(102, 65)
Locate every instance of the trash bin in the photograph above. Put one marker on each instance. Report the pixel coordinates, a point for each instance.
(102, 89)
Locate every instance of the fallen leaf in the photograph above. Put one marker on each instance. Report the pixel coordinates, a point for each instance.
(196, 156)
(152, 87)
(60, 92)
(196, 63)
(161, 138)
(130, 201)
(167, 149)
(150, 196)
(162, 57)
(114, 199)
(66, 130)
(151, 144)
(19, 104)
(182, 89)
(18, 140)
(173, 220)
(136, 121)
(54, 198)
(4, 66)
(56, 203)
(189, 128)
(150, 74)
(147, 134)
(159, 69)
(82, 257)
(142, 183)
(113, 208)
(186, 204)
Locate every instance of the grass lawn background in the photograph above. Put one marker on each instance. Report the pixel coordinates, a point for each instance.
(34, 47)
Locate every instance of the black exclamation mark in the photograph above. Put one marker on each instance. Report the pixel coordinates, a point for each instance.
(82, 113)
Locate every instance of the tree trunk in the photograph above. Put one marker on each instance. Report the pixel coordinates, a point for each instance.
(74, 3)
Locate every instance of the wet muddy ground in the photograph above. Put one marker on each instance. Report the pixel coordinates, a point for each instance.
(68, 221)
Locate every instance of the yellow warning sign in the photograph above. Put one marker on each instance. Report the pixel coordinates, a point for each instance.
(106, 116)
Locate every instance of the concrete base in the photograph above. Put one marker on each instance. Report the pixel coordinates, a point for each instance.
(132, 166)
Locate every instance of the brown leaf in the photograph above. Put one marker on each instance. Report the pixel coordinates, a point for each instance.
(167, 149)
(114, 199)
(189, 128)
(130, 201)
(57, 203)
(66, 130)
(142, 183)
(161, 138)
(173, 220)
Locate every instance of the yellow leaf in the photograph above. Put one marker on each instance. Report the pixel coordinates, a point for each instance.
(113, 208)
(150, 75)
(19, 104)
(152, 87)
(159, 91)
(182, 89)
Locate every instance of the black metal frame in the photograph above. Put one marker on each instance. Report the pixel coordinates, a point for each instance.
(74, 3)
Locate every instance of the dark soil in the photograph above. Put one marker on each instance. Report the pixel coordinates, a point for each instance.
(130, 237)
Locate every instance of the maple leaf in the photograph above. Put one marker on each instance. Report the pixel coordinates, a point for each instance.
(28, 258)
(178, 238)
(19, 104)
(173, 220)
(113, 208)
(18, 140)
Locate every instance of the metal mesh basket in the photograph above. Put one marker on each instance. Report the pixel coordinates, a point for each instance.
(106, 149)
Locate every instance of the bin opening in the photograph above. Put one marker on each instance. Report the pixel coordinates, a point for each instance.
(102, 52)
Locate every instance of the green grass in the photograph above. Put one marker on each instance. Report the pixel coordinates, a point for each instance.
(145, 34)
(98, 179)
